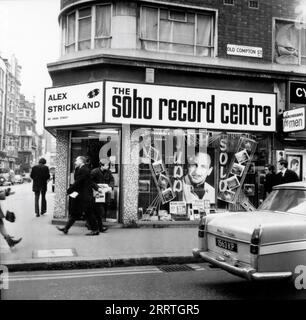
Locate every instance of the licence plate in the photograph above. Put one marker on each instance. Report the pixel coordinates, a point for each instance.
(227, 245)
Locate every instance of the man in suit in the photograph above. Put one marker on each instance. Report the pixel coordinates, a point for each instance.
(104, 177)
(40, 176)
(84, 201)
(286, 175)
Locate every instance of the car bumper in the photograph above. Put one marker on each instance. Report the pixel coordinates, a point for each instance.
(248, 273)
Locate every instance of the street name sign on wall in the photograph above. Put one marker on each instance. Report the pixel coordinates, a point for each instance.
(246, 51)
(294, 120)
(74, 105)
(181, 107)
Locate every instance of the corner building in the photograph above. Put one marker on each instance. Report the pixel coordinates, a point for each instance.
(160, 81)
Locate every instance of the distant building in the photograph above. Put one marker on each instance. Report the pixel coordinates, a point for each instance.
(27, 141)
(10, 84)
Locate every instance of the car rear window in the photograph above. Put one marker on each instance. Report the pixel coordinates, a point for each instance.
(286, 200)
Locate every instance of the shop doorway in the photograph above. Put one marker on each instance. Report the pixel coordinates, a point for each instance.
(95, 144)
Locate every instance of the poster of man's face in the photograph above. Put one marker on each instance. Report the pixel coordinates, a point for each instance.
(294, 164)
(199, 168)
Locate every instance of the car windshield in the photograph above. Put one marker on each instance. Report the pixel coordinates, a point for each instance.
(286, 200)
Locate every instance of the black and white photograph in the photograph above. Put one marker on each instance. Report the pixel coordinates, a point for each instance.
(249, 189)
(158, 167)
(168, 195)
(228, 195)
(242, 156)
(115, 114)
(232, 182)
(237, 169)
(144, 186)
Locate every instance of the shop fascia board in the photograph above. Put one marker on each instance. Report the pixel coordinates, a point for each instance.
(177, 62)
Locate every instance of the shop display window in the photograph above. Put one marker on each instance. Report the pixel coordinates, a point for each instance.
(184, 174)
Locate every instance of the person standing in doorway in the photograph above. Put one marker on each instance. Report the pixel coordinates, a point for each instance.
(286, 175)
(270, 179)
(103, 176)
(83, 200)
(40, 175)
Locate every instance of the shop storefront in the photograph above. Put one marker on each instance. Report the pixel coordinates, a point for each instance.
(174, 152)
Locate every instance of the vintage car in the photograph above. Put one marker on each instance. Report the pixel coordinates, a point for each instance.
(268, 243)
(18, 178)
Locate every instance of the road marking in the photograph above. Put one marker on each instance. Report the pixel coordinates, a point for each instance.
(85, 274)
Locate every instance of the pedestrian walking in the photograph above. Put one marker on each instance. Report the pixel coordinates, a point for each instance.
(9, 216)
(40, 175)
(82, 200)
(270, 179)
(103, 176)
(285, 175)
(53, 182)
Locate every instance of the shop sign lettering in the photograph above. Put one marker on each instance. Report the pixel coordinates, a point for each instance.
(74, 105)
(294, 120)
(151, 105)
(297, 92)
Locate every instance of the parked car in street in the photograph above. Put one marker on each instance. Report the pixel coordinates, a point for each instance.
(18, 179)
(26, 177)
(268, 243)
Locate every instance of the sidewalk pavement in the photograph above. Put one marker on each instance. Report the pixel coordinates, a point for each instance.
(43, 247)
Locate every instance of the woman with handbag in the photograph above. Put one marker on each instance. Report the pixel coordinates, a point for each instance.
(9, 216)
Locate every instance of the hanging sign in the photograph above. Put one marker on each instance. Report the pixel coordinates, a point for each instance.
(294, 120)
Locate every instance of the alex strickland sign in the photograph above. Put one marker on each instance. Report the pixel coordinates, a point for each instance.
(153, 105)
(157, 105)
(74, 105)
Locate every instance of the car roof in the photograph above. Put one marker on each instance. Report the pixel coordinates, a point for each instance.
(301, 185)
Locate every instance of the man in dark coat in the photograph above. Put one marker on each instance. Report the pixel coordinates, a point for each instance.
(286, 175)
(83, 201)
(102, 176)
(270, 179)
(40, 176)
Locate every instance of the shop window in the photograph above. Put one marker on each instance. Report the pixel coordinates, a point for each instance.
(290, 44)
(186, 173)
(176, 31)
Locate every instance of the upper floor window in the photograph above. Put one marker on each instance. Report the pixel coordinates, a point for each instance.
(84, 29)
(87, 28)
(290, 43)
(177, 31)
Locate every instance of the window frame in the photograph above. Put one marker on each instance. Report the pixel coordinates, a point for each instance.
(93, 15)
(211, 13)
(282, 20)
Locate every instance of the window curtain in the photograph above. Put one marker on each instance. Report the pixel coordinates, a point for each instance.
(204, 34)
(70, 33)
(103, 26)
(149, 28)
(286, 43)
(84, 29)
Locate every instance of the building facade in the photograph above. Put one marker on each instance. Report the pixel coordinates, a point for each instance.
(28, 141)
(155, 86)
(10, 127)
